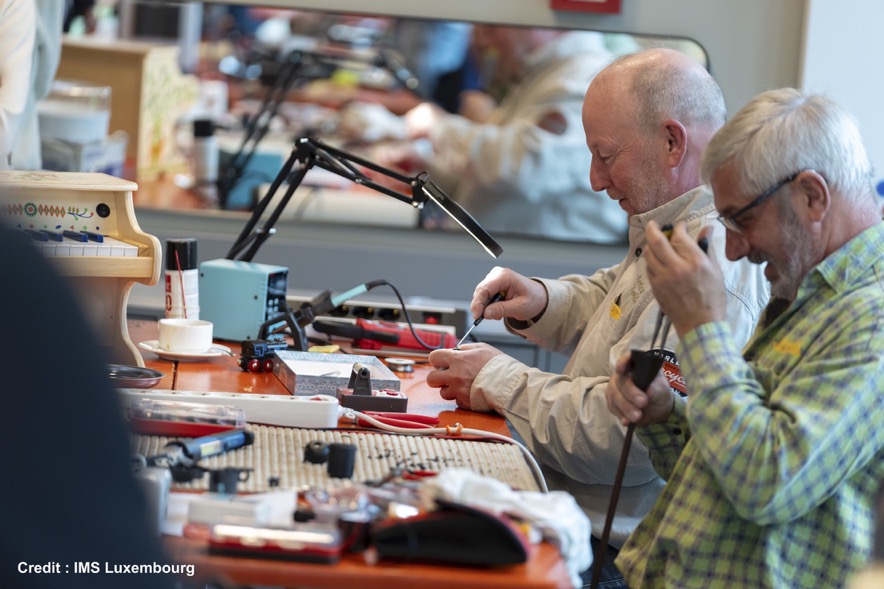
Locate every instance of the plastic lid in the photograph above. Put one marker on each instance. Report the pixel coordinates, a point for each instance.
(181, 251)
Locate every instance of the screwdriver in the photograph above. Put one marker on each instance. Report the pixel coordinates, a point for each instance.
(479, 319)
(188, 452)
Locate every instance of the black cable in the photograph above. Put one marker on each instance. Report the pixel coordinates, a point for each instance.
(643, 367)
(382, 282)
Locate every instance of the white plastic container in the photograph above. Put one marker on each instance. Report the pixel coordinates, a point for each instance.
(73, 111)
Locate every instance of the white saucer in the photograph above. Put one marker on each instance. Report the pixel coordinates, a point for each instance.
(153, 346)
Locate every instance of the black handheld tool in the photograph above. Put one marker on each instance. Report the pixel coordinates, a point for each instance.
(479, 319)
(643, 368)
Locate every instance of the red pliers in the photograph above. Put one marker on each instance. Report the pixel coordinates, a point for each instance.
(409, 420)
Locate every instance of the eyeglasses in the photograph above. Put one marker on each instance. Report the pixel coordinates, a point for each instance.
(732, 223)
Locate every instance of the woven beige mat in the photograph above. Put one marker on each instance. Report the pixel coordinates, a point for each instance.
(278, 453)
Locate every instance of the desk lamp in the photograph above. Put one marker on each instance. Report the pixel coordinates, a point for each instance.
(299, 66)
(306, 153)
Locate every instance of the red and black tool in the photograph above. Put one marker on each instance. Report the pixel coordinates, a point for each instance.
(370, 334)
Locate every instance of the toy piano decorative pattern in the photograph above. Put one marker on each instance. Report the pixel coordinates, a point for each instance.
(60, 210)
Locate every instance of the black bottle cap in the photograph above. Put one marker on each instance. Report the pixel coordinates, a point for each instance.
(203, 128)
(181, 251)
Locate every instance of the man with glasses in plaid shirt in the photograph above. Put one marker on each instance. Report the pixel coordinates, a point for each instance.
(774, 458)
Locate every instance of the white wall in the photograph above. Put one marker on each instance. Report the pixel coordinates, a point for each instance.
(843, 58)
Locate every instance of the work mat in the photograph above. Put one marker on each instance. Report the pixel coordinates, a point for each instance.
(277, 456)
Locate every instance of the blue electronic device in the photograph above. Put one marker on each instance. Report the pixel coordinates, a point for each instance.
(238, 297)
(262, 167)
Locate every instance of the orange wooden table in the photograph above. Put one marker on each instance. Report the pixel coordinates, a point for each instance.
(544, 568)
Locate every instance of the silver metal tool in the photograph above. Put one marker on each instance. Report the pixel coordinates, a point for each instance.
(479, 319)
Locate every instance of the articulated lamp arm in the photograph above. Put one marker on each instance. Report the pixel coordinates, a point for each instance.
(309, 152)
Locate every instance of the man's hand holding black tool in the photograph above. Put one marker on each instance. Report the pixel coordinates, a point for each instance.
(686, 282)
(632, 403)
(525, 298)
(637, 392)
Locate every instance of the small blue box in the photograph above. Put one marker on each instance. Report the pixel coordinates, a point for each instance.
(262, 168)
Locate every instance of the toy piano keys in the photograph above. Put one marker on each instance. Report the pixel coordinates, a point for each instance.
(79, 243)
(66, 206)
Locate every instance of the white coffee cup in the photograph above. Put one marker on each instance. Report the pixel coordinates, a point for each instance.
(185, 336)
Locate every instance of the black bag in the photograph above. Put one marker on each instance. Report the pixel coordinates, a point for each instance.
(453, 534)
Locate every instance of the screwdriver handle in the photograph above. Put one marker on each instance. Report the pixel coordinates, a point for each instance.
(497, 297)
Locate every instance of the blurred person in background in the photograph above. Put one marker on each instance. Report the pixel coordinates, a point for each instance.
(518, 166)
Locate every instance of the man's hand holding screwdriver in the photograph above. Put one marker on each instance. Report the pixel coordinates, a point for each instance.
(456, 369)
(525, 298)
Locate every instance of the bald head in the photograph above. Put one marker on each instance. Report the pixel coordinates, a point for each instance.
(665, 84)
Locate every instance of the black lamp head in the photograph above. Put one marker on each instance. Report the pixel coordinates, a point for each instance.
(426, 190)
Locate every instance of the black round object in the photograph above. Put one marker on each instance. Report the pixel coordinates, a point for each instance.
(316, 452)
(124, 376)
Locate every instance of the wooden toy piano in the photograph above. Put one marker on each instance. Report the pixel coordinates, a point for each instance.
(114, 255)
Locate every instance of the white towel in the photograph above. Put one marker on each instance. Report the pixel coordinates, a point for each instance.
(556, 514)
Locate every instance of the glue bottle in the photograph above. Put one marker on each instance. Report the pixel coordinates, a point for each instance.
(182, 279)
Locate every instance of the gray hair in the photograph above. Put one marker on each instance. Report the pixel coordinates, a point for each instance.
(780, 132)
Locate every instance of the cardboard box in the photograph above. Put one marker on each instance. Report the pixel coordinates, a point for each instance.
(148, 96)
(308, 373)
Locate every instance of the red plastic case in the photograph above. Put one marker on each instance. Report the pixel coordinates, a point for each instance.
(182, 419)
(306, 543)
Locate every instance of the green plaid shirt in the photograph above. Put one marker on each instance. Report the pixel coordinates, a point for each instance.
(774, 461)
